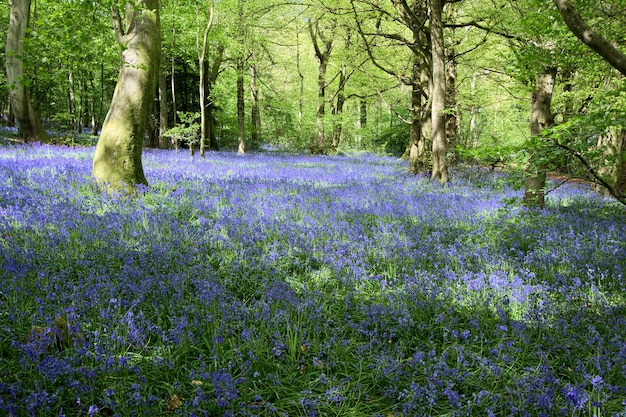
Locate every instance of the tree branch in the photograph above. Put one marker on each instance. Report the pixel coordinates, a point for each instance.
(117, 22)
(597, 177)
(597, 43)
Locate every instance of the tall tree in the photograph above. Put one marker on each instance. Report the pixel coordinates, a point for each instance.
(541, 118)
(322, 39)
(117, 160)
(438, 100)
(241, 115)
(203, 75)
(28, 119)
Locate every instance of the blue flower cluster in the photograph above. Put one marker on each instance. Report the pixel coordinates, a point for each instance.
(275, 285)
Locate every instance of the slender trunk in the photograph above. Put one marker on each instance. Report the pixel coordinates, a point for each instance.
(416, 162)
(71, 102)
(452, 121)
(84, 113)
(202, 71)
(340, 96)
(338, 108)
(362, 114)
(117, 160)
(202, 92)
(211, 77)
(241, 115)
(426, 140)
(301, 83)
(27, 118)
(255, 114)
(322, 55)
(541, 117)
(473, 132)
(163, 110)
(92, 106)
(440, 167)
(320, 143)
(101, 102)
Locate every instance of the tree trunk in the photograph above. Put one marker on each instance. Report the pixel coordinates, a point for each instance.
(211, 78)
(203, 79)
(71, 102)
(163, 110)
(92, 106)
(416, 161)
(117, 160)
(338, 108)
(320, 143)
(173, 84)
(255, 114)
(541, 117)
(426, 140)
(322, 55)
(440, 167)
(203, 106)
(26, 116)
(452, 121)
(301, 85)
(241, 114)
(613, 161)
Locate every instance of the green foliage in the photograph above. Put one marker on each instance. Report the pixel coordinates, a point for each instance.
(392, 140)
(187, 131)
(492, 156)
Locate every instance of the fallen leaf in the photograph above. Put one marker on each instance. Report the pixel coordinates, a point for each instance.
(174, 403)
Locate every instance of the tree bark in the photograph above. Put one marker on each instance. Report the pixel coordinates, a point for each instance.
(213, 73)
(241, 114)
(597, 43)
(338, 108)
(416, 161)
(255, 114)
(203, 82)
(613, 169)
(163, 110)
(27, 118)
(117, 160)
(440, 167)
(452, 121)
(322, 54)
(541, 117)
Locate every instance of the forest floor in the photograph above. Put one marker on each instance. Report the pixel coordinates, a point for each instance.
(284, 285)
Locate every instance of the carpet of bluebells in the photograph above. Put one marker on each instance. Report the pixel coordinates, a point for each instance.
(281, 285)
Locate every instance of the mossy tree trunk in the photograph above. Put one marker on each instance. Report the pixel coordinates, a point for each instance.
(117, 160)
(27, 118)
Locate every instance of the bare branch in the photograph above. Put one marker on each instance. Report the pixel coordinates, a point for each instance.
(597, 177)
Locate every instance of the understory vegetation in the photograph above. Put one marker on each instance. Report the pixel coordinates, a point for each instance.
(282, 285)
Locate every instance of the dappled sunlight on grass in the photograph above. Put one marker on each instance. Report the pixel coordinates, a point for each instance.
(269, 285)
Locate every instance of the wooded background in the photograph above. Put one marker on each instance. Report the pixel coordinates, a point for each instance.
(328, 76)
